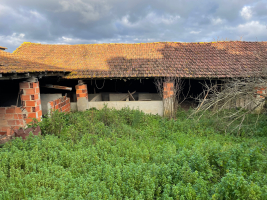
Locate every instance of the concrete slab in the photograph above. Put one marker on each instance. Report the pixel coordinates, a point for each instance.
(117, 97)
(92, 96)
(152, 96)
(82, 104)
(73, 106)
(149, 107)
(45, 98)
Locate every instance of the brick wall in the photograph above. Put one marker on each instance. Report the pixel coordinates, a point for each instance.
(31, 101)
(11, 118)
(62, 105)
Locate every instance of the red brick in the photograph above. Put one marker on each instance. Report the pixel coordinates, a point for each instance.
(56, 107)
(28, 120)
(32, 115)
(18, 110)
(9, 116)
(30, 103)
(25, 97)
(24, 85)
(38, 102)
(28, 109)
(19, 122)
(3, 122)
(11, 122)
(35, 85)
(51, 103)
(2, 116)
(39, 114)
(2, 110)
(34, 97)
(81, 86)
(37, 90)
(79, 91)
(20, 116)
(5, 128)
(64, 107)
(81, 95)
(37, 108)
(10, 110)
(3, 132)
(29, 91)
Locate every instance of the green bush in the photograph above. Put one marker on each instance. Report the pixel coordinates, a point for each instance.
(125, 154)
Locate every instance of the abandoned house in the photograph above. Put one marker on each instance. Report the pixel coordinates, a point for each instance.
(36, 78)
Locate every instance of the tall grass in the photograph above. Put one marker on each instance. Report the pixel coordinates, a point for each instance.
(110, 154)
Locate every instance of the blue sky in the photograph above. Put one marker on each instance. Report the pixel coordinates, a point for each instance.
(130, 21)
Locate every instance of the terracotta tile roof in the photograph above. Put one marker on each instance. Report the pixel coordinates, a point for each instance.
(3, 47)
(213, 59)
(10, 63)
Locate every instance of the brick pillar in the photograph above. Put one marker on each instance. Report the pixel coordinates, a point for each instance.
(31, 100)
(82, 97)
(168, 99)
(260, 98)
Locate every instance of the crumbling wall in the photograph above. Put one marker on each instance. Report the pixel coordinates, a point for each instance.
(45, 98)
(62, 105)
(11, 118)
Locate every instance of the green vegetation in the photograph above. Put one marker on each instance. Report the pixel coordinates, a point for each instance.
(126, 154)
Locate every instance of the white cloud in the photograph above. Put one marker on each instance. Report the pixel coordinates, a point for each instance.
(195, 32)
(5, 10)
(253, 29)
(216, 21)
(150, 18)
(14, 39)
(37, 15)
(90, 11)
(73, 40)
(246, 12)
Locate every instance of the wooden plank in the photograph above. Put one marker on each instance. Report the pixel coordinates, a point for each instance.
(131, 96)
(124, 98)
(93, 99)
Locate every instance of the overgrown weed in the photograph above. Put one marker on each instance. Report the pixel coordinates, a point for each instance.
(125, 154)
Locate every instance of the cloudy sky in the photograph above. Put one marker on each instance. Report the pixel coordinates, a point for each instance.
(130, 21)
